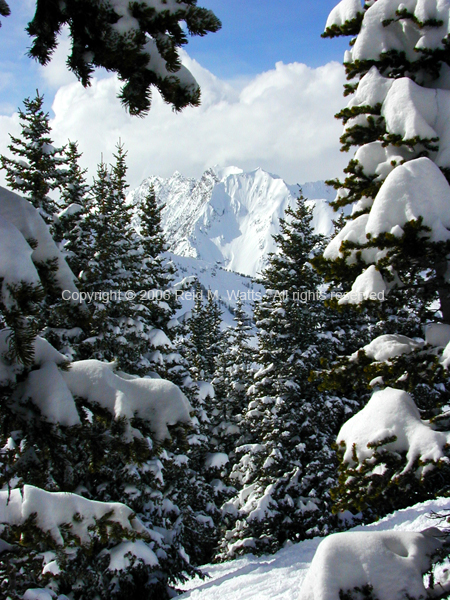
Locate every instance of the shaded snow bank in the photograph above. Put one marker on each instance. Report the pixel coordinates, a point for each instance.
(281, 576)
(393, 562)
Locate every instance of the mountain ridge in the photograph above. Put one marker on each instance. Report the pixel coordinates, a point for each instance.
(228, 216)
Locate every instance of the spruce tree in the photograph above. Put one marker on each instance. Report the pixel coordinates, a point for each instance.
(119, 322)
(75, 205)
(232, 376)
(285, 462)
(157, 272)
(390, 258)
(37, 167)
(65, 325)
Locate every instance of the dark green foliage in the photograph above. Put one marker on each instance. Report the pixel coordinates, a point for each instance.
(20, 317)
(119, 323)
(233, 372)
(351, 27)
(37, 169)
(124, 52)
(374, 494)
(156, 278)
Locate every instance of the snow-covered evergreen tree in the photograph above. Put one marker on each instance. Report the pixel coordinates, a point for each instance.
(203, 334)
(63, 324)
(286, 463)
(233, 372)
(140, 41)
(36, 168)
(391, 255)
(74, 205)
(156, 281)
(82, 430)
(120, 322)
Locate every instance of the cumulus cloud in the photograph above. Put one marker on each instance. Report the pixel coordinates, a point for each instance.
(281, 120)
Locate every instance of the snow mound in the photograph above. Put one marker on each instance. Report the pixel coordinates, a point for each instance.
(346, 10)
(392, 413)
(216, 460)
(354, 231)
(48, 391)
(445, 358)
(20, 215)
(389, 346)
(121, 555)
(370, 285)
(375, 39)
(55, 509)
(415, 189)
(16, 265)
(158, 401)
(393, 562)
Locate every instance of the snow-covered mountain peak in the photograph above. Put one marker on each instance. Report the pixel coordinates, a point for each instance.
(229, 216)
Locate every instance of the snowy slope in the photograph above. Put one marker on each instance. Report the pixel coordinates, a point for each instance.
(229, 216)
(280, 577)
(226, 286)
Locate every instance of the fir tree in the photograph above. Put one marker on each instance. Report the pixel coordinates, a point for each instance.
(75, 206)
(53, 440)
(204, 336)
(66, 325)
(233, 372)
(285, 460)
(37, 169)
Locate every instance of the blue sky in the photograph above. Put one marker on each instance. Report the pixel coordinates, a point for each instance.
(256, 34)
(270, 88)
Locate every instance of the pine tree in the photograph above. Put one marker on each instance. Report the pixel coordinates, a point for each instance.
(285, 460)
(75, 205)
(63, 324)
(390, 258)
(37, 170)
(139, 42)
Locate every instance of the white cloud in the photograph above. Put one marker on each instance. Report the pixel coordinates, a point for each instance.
(281, 120)
(56, 73)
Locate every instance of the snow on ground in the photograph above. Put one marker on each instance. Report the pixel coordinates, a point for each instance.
(280, 577)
